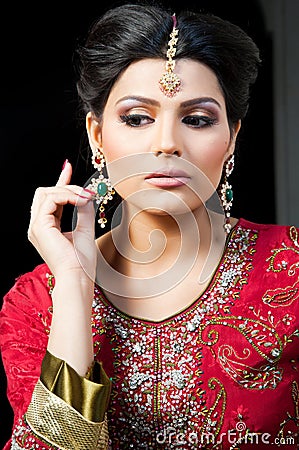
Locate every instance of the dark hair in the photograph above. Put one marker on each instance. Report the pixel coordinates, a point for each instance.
(132, 32)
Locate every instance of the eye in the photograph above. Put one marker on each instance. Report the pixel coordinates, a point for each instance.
(199, 121)
(136, 120)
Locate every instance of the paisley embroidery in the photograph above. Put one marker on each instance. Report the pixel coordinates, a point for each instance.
(261, 337)
(281, 296)
(258, 334)
(279, 262)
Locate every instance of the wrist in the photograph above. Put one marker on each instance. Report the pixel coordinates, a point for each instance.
(70, 292)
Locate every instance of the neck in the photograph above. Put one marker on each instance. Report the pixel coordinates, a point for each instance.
(156, 240)
(165, 261)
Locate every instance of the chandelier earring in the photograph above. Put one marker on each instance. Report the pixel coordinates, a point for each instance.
(100, 185)
(227, 193)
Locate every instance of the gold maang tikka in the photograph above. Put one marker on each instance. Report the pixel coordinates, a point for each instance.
(169, 82)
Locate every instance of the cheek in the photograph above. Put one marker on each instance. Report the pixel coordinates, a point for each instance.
(211, 154)
(118, 142)
(113, 148)
(128, 187)
(123, 169)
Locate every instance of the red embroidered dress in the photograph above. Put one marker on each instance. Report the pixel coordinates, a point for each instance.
(221, 374)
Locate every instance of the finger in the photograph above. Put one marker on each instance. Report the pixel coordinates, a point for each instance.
(86, 218)
(65, 175)
(84, 239)
(47, 200)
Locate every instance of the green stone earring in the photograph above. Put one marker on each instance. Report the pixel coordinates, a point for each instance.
(227, 193)
(101, 186)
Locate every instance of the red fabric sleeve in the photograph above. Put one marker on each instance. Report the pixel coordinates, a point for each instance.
(24, 326)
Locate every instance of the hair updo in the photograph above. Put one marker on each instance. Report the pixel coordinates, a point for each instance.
(133, 32)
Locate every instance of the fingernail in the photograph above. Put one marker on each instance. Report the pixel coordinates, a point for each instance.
(65, 163)
(85, 198)
(89, 191)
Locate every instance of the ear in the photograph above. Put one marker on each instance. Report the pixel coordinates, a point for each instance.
(234, 134)
(94, 130)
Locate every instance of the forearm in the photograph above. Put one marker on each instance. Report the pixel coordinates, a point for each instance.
(54, 407)
(70, 337)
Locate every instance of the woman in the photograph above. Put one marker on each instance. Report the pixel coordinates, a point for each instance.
(177, 328)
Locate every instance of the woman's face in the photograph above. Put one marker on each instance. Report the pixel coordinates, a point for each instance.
(163, 152)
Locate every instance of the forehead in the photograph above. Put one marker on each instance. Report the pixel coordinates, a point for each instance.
(142, 78)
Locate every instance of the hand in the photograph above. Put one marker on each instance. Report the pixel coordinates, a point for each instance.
(64, 252)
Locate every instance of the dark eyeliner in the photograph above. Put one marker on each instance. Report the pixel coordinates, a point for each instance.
(207, 121)
(130, 119)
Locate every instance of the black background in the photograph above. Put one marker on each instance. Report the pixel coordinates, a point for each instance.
(39, 127)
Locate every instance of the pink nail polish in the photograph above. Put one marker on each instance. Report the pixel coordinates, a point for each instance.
(65, 163)
(89, 191)
(82, 196)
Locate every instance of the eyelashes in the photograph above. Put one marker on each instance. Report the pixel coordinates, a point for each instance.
(199, 121)
(135, 120)
(193, 121)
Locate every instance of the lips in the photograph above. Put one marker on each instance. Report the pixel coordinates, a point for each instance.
(168, 178)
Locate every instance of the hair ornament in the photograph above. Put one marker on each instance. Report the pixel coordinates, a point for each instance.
(169, 82)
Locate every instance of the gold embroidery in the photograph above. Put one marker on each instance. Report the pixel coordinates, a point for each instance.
(281, 296)
(294, 235)
(213, 422)
(261, 337)
(283, 433)
(275, 264)
(50, 282)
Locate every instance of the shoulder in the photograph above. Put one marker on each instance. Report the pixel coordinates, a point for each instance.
(277, 245)
(26, 313)
(34, 286)
(38, 278)
(272, 232)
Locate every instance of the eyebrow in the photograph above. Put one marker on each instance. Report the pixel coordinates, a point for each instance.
(187, 103)
(199, 101)
(140, 99)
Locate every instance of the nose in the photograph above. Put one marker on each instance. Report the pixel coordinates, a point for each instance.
(167, 139)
